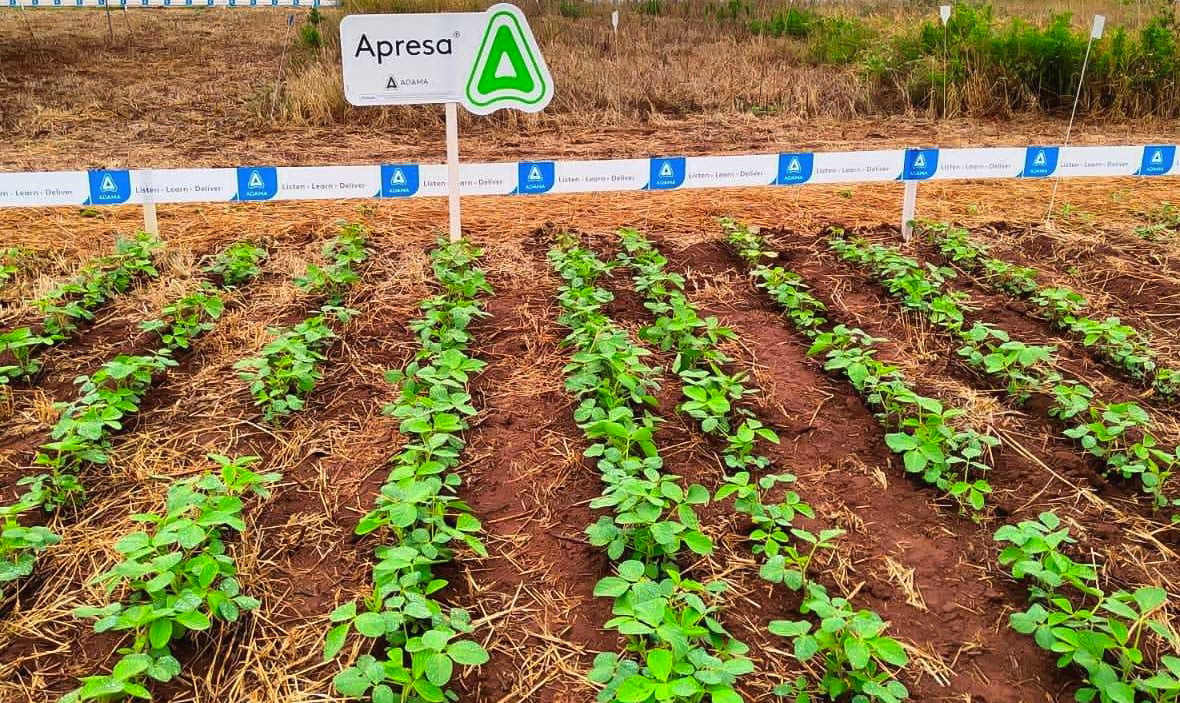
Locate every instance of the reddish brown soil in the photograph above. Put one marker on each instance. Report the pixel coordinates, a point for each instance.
(1143, 276)
(526, 481)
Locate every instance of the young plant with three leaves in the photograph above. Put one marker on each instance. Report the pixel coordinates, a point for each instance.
(288, 368)
(342, 254)
(20, 545)
(238, 263)
(177, 577)
(188, 318)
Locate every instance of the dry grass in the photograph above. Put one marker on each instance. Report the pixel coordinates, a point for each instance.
(658, 88)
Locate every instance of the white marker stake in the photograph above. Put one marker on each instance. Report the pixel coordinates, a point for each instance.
(1095, 33)
(909, 204)
(614, 21)
(453, 169)
(944, 13)
(150, 224)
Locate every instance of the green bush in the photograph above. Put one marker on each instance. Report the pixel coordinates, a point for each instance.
(571, 9)
(792, 23)
(655, 8)
(1022, 66)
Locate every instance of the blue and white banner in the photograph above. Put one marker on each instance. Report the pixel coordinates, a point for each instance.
(33, 4)
(406, 180)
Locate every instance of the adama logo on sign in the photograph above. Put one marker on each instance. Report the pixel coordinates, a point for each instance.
(534, 177)
(920, 164)
(109, 187)
(666, 173)
(257, 183)
(795, 168)
(1040, 161)
(399, 180)
(1157, 159)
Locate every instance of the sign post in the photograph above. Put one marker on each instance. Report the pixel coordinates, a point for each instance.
(484, 61)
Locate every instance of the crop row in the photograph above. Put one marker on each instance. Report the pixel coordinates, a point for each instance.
(176, 576)
(1120, 346)
(68, 305)
(850, 644)
(288, 367)
(82, 434)
(418, 514)
(676, 649)
(922, 430)
(179, 576)
(1105, 634)
(1119, 434)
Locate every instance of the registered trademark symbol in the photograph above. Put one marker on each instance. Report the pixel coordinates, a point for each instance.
(456, 35)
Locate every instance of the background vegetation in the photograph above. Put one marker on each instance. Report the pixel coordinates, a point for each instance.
(813, 59)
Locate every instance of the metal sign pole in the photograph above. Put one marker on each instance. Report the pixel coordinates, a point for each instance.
(453, 170)
(1095, 33)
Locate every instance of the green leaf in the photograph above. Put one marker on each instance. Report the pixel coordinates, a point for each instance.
(659, 662)
(160, 633)
(346, 611)
(467, 653)
(382, 693)
(131, 666)
(435, 640)
(193, 620)
(611, 587)
(805, 647)
(857, 652)
(631, 570)
(1119, 692)
(351, 682)
(635, 689)
(1150, 598)
(370, 624)
(724, 695)
(429, 692)
(891, 651)
(439, 668)
(334, 641)
(697, 542)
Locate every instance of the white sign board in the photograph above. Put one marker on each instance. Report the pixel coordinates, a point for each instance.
(1099, 25)
(485, 61)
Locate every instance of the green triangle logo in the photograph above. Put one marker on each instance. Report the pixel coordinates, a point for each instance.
(508, 71)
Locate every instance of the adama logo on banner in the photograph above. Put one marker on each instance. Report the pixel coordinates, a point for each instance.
(534, 177)
(109, 187)
(257, 183)
(795, 168)
(1157, 159)
(666, 173)
(399, 180)
(920, 164)
(1040, 161)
